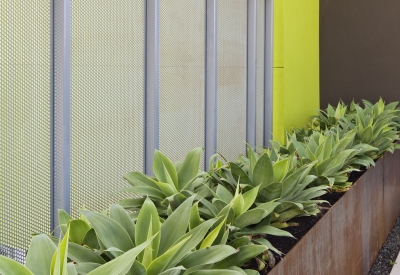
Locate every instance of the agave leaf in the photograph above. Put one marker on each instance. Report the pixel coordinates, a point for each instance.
(300, 148)
(333, 164)
(212, 236)
(249, 198)
(239, 174)
(196, 236)
(162, 166)
(147, 221)
(207, 255)
(189, 167)
(244, 254)
(237, 204)
(40, 254)
(173, 271)
(271, 191)
(252, 216)
(268, 206)
(134, 203)
(137, 269)
(78, 230)
(194, 219)
(252, 160)
(139, 179)
(290, 214)
(175, 226)
(90, 239)
(296, 180)
(267, 244)
(265, 229)
(223, 193)
(81, 254)
(9, 266)
(85, 268)
(163, 262)
(263, 171)
(240, 241)
(58, 264)
(196, 181)
(111, 233)
(167, 188)
(145, 191)
(71, 269)
(366, 135)
(118, 214)
(63, 219)
(122, 263)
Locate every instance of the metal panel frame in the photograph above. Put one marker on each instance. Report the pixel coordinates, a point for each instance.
(64, 56)
(210, 127)
(251, 121)
(52, 185)
(152, 83)
(268, 71)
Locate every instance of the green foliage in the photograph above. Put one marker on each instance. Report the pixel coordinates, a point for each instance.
(376, 124)
(334, 155)
(172, 185)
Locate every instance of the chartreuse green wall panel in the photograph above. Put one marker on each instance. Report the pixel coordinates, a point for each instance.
(296, 53)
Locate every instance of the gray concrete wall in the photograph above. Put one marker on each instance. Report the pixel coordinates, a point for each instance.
(359, 50)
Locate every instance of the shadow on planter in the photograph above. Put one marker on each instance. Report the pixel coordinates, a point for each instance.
(347, 239)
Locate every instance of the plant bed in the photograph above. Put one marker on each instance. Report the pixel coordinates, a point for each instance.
(347, 239)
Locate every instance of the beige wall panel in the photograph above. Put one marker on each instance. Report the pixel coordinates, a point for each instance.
(24, 123)
(182, 76)
(107, 98)
(231, 77)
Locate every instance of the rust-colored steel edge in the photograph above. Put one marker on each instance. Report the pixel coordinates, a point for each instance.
(347, 239)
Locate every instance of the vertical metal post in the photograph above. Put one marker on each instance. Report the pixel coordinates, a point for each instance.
(152, 83)
(52, 185)
(251, 72)
(62, 106)
(268, 69)
(211, 81)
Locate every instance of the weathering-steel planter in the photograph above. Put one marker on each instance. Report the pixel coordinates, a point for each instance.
(347, 239)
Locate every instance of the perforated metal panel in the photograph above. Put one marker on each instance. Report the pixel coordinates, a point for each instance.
(260, 88)
(182, 76)
(231, 77)
(107, 98)
(24, 124)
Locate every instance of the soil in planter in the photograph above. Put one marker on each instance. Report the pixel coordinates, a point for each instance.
(387, 255)
(284, 244)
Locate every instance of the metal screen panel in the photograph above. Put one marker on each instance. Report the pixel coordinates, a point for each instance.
(107, 98)
(182, 76)
(24, 124)
(260, 88)
(231, 77)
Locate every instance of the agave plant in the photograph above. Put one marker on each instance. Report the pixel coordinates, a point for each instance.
(335, 155)
(173, 248)
(375, 124)
(280, 181)
(168, 189)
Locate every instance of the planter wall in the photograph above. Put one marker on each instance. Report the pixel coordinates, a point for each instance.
(347, 239)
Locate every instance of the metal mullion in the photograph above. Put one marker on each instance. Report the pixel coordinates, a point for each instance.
(251, 72)
(62, 99)
(52, 138)
(152, 83)
(268, 71)
(211, 81)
